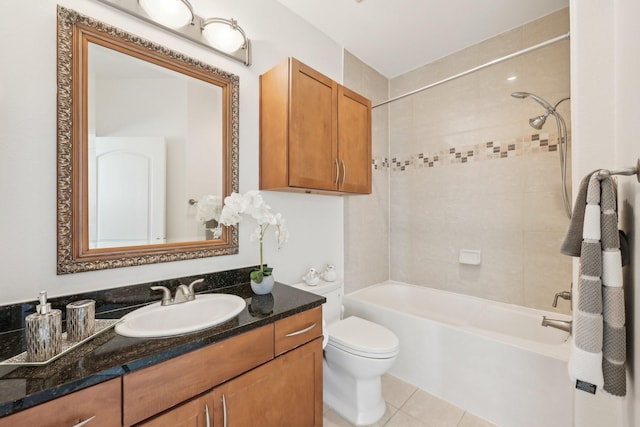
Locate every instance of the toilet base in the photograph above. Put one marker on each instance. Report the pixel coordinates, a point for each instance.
(357, 400)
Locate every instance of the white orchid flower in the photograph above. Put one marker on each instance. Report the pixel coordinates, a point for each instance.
(208, 208)
(251, 204)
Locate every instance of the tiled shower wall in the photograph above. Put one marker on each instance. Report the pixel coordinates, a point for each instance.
(466, 171)
(366, 220)
(491, 182)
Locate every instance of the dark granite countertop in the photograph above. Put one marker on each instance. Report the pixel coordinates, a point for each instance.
(110, 355)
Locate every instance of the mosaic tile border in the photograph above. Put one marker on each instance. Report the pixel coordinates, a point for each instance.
(530, 144)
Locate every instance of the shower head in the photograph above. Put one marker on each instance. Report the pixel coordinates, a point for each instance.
(538, 122)
(523, 95)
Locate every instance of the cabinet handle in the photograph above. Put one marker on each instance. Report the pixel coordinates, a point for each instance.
(337, 172)
(301, 331)
(224, 412)
(344, 172)
(85, 422)
(206, 412)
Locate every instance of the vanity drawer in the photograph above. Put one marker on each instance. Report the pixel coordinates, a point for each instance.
(297, 330)
(101, 403)
(152, 390)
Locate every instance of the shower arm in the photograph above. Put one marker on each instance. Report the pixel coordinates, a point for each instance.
(561, 101)
(562, 147)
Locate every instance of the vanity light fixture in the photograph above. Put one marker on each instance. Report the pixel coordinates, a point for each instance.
(224, 36)
(170, 13)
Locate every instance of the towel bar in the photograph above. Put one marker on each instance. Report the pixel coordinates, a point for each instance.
(605, 173)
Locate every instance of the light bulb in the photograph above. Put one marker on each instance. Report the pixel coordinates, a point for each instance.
(170, 13)
(223, 36)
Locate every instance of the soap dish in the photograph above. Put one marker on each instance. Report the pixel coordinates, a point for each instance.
(101, 325)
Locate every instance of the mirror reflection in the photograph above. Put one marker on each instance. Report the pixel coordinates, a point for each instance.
(155, 141)
(143, 132)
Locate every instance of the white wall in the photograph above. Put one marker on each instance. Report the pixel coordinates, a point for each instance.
(28, 147)
(605, 89)
(627, 92)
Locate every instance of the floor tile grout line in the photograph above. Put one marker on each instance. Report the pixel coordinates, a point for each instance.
(415, 390)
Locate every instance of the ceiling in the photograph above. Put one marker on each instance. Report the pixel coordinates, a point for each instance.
(396, 36)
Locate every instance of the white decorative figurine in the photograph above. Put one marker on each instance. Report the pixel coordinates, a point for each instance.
(329, 273)
(311, 278)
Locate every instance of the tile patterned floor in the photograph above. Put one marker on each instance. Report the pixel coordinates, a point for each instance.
(408, 406)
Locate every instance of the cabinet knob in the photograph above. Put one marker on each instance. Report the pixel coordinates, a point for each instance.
(85, 422)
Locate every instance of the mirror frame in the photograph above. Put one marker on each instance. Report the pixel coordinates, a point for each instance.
(74, 33)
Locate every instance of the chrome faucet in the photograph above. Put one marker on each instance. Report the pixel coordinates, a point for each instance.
(184, 293)
(563, 325)
(564, 295)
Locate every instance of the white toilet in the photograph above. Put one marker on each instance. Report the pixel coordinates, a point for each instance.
(356, 354)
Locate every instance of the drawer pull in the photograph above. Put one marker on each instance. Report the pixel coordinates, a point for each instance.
(85, 422)
(206, 412)
(337, 173)
(344, 173)
(301, 331)
(224, 412)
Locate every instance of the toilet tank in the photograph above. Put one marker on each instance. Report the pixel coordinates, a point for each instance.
(332, 291)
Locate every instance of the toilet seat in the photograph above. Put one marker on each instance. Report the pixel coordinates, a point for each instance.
(363, 338)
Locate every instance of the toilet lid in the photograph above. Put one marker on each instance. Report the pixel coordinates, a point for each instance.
(362, 337)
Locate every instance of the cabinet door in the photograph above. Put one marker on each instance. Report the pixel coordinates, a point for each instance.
(197, 412)
(98, 405)
(152, 390)
(286, 392)
(354, 141)
(312, 129)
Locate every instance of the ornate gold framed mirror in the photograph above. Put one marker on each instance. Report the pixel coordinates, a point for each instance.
(143, 132)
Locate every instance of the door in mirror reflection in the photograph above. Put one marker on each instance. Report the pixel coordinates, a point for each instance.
(126, 191)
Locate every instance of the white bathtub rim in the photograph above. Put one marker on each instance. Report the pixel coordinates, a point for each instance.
(557, 351)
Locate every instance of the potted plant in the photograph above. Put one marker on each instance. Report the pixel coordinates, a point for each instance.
(252, 204)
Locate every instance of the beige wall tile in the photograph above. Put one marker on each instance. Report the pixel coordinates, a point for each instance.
(545, 273)
(484, 204)
(366, 217)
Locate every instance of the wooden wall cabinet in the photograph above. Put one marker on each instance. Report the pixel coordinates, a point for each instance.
(315, 135)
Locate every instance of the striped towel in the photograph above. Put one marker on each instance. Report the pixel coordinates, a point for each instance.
(598, 352)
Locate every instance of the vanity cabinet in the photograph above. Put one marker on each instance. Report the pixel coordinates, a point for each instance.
(194, 413)
(284, 392)
(150, 391)
(96, 406)
(238, 382)
(315, 135)
(269, 376)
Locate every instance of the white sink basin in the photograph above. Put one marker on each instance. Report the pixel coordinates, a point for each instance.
(163, 321)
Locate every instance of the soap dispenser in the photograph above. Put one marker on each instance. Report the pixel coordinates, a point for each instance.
(43, 331)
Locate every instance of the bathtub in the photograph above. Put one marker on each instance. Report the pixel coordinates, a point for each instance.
(489, 358)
